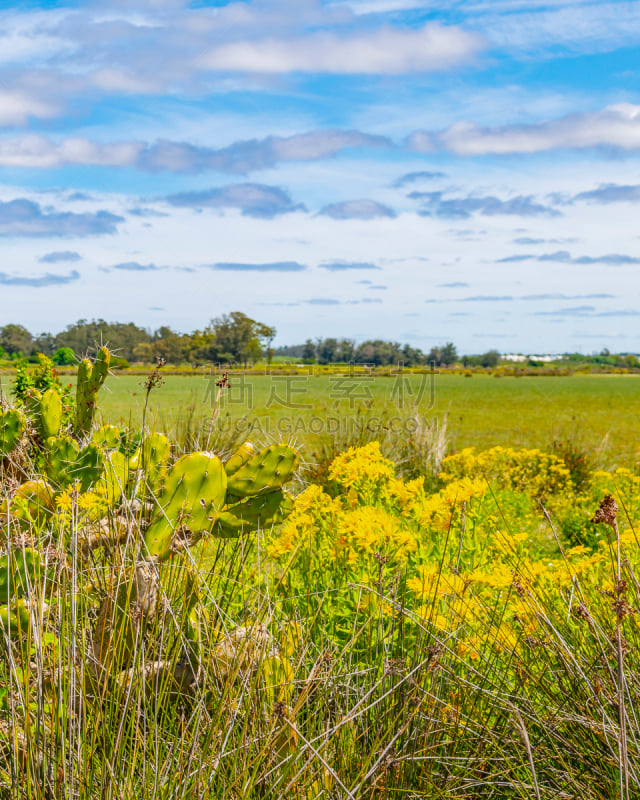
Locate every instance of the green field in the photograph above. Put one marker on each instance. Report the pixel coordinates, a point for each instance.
(600, 412)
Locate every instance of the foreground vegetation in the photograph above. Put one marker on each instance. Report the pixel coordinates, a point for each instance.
(176, 624)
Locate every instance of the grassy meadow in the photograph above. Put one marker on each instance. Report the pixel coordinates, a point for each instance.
(600, 411)
(447, 609)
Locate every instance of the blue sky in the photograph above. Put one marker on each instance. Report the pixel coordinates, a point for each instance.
(462, 170)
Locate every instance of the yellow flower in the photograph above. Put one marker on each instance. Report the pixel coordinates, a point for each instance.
(438, 508)
(371, 529)
(64, 501)
(498, 576)
(89, 501)
(431, 582)
(361, 467)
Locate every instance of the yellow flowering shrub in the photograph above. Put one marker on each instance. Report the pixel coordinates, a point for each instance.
(363, 468)
(532, 471)
(484, 577)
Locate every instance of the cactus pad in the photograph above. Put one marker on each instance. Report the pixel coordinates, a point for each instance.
(115, 476)
(21, 572)
(45, 411)
(264, 472)
(256, 512)
(32, 503)
(239, 458)
(15, 618)
(154, 456)
(107, 437)
(12, 425)
(194, 493)
(67, 463)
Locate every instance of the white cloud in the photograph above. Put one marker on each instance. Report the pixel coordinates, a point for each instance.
(118, 80)
(384, 50)
(16, 107)
(35, 151)
(38, 152)
(616, 126)
(380, 6)
(31, 36)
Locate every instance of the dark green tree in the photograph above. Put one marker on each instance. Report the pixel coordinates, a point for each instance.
(64, 357)
(16, 340)
(449, 354)
(309, 352)
(327, 350)
(490, 359)
(236, 337)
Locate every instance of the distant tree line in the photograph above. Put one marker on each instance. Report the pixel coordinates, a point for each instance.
(373, 351)
(230, 338)
(236, 338)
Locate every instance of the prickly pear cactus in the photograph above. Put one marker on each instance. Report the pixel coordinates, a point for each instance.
(264, 472)
(21, 573)
(31, 504)
(200, 496)
(90, 378)
(12, 426)
(50, 414)
(194, 493)
(66, 462)
(107, 437)
(21, 576)
(115, 476)
(15, 618)
(45, 412)
(258, 512)
(239, 458)
(154, 457)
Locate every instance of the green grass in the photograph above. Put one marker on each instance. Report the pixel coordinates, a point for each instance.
(600, 411)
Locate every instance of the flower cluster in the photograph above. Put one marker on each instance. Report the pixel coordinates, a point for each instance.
(476, 556)
(535, 472)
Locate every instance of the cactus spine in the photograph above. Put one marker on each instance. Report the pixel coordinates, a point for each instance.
(90, 378)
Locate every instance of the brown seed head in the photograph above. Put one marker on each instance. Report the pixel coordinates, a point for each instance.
(607, 511)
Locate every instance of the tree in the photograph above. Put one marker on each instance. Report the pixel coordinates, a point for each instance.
(121, 337)
(16, 340)
(449, 354)
(234, 337)
(379, 353)
(253, 350)
(412, 356)
(64, 357)
(435, 355)
(45, 343)
(170, 348)
(490, 359)
(347, 350)
(309, 352)
(327, 351)
(143, 353)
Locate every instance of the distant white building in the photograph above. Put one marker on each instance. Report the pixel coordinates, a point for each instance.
(520, 357)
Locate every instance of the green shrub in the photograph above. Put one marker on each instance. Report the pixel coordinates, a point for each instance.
(64, 357)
